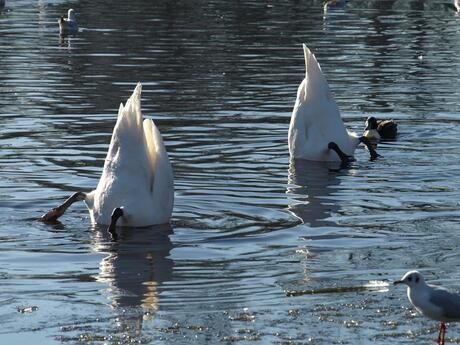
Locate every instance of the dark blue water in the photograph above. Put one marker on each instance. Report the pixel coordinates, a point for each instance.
(220, 80)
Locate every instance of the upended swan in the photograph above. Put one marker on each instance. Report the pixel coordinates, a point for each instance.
(316, 131)
(136, 187)
(68, 25)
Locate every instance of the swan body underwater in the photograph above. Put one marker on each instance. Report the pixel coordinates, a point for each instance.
(317, 131)
(136, 186)
(69, 25)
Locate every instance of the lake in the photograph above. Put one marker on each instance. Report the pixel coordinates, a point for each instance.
(259, 250)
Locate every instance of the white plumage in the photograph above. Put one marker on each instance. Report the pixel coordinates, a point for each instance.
(316, 119)
(68, 25)
(432, 301)
(136, 186)
(137, 174)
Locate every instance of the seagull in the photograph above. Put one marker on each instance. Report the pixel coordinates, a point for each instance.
(69, 25)
(331, 4)
(455, 6)
(434, 302)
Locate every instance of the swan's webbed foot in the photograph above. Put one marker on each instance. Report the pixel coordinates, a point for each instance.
(370, 147)
(346, 159)
(53, 214)
(117, 213)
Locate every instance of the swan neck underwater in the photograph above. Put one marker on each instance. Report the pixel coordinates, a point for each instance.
(136, 186)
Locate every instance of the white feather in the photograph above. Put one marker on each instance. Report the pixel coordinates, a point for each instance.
(316, 119)
(68, 25)
(137, 173)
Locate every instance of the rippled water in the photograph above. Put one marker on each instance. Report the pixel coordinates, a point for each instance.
(248, 228)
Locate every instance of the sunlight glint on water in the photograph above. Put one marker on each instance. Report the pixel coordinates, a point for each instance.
(220, 80)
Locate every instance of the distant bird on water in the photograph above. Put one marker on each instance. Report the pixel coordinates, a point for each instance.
(380, 129)
(455, 6)
(69, 25)
(331, 4)
(434, 302)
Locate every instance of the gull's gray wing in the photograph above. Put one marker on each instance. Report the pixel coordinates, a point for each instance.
(448, 301)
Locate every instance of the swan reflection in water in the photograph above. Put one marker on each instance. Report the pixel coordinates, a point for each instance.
(311, 186)
(135, 267)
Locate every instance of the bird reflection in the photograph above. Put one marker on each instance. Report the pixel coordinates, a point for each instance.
(65, 41)
(311, 185)
(135, 267)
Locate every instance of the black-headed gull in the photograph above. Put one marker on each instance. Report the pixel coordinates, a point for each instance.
(434, 302)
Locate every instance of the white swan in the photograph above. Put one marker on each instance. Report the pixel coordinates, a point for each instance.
(69, 25)
(316, 131)
(136, 187)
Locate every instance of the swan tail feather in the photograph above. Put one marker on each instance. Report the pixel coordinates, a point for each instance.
(161, 182)
(316, 84)
(130, 114)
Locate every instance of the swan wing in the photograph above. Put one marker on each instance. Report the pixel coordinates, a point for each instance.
(129, 176)
(316, 86)
(161, 184)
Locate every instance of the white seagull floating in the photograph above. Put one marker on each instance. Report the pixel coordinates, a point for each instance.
(69, 25)
(316, 131)
(457, 5)
(434, 302)
(136, 187)
(330, 4)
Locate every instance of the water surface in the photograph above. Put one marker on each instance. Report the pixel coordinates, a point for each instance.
(220, 79)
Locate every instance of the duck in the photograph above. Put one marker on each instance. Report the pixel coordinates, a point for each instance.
(69, 25)
(136, 188)
(316, 129)
(380, 129)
